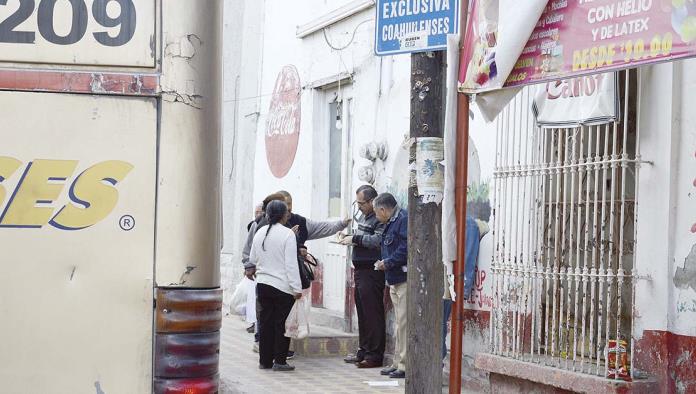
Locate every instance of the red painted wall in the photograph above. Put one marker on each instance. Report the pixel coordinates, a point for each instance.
(669, 357)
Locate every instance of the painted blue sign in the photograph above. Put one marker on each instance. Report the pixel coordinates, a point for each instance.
(406, 26)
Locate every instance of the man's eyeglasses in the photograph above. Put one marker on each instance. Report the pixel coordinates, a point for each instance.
(361, 203)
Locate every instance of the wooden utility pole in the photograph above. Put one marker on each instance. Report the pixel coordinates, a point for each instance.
(425, 268)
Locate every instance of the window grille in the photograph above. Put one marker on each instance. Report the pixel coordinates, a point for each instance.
(564, 235)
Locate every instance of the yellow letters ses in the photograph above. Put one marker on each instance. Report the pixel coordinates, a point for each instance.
(92, 194)
(8, 166)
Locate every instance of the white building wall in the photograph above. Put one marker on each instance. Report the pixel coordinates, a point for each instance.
(242, 57)
(380, 93)
(380, 89)
(666, 258)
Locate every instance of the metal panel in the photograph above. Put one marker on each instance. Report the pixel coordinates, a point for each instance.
(78, 32)
(189, 184)
(181, 310)
(76, 299)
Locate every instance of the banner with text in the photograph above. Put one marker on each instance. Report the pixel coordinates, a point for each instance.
(575, 37)
(586, 100)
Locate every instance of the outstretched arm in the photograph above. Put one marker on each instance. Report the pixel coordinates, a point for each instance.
(317, 230)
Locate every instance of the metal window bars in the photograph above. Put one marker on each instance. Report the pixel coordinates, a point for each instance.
(564, 236)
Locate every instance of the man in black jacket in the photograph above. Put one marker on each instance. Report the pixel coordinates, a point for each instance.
(305, 229)
(369, 283)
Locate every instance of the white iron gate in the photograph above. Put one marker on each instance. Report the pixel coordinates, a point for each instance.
(565, 203)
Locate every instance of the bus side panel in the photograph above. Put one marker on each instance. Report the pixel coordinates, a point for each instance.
(77, 218)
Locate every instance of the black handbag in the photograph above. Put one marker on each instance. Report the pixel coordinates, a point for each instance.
(305, 265)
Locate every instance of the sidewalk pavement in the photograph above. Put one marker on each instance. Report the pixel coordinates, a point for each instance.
(239, 373)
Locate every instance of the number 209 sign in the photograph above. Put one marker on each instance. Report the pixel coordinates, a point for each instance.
(85, 32)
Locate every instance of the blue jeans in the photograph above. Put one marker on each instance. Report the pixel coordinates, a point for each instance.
(472, 250)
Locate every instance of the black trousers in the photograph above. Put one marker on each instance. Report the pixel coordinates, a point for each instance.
(272, 308)
(369, 301)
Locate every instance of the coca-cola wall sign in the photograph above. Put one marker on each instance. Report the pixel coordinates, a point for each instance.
(283, 123)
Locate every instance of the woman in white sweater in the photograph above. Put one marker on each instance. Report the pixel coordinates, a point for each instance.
(274, 253)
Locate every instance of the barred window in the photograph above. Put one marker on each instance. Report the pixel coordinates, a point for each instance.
(563, 227)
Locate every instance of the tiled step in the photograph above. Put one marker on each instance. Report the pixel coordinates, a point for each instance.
(324, 341)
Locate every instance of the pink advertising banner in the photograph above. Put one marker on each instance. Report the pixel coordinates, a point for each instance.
(574, 37)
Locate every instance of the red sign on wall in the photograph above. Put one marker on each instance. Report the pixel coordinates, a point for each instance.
(283, 124)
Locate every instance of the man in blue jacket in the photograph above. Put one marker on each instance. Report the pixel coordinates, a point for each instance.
(393, 263)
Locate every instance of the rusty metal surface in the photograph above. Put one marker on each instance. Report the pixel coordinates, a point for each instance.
(79, 82)
(205, 385)
(188, 310)
(187, 355)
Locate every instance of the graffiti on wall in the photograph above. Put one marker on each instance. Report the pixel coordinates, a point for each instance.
(480, 297)
(283, 123)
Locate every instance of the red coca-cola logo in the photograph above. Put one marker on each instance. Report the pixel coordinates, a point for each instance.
(283, 124)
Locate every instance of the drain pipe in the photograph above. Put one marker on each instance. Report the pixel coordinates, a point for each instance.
(460, 191)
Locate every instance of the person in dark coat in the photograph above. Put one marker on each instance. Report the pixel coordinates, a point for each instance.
(394, 264)
(369, 283)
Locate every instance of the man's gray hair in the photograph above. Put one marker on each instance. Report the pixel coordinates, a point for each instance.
(384, 200)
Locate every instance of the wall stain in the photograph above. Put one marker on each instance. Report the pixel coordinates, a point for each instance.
(685, 277)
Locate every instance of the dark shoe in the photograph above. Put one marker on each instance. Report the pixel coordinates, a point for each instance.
(386, 371)
(251, 328)
(369, 364)
(261, 366)
(290, 355)
(353, 358)
(283, 367)
(398, 374)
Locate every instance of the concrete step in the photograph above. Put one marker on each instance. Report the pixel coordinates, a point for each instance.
(325, 342)
(328, 318)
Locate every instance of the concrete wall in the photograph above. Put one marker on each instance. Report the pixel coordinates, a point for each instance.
(666, 253)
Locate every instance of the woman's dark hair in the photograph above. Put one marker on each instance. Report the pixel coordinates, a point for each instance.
(271, 197)
(275, 211)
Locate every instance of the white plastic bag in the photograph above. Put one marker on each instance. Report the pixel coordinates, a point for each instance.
(297, 323)
(239, 297)
(251, 302)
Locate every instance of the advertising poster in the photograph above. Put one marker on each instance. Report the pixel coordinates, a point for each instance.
(574, 38)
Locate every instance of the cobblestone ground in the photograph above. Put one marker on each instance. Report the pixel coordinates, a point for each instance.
(239, 373)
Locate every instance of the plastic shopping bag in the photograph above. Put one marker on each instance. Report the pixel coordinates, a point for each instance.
(251, 302)
(239, 297)
(297, 323)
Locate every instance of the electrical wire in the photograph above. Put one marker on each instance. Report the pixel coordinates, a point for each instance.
(352, 38)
